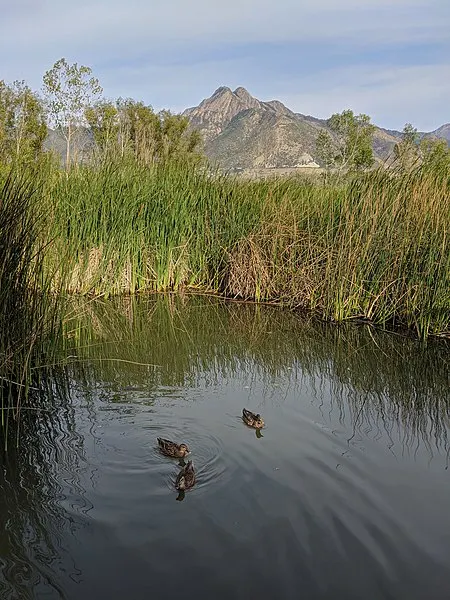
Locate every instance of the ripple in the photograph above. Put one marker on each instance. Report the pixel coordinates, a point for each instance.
(319, 497)
(207, 455)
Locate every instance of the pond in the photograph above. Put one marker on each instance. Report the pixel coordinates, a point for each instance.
(345, 493)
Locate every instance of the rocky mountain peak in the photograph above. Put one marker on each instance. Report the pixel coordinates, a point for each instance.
(246, 98)
(214, 113)
(220, 92)
(242, 132)
(278, 107)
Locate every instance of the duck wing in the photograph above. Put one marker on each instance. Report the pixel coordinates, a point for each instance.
(167, 445)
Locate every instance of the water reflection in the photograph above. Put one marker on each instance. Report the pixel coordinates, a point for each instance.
(329, 499)
(41, 500)
(377, 381)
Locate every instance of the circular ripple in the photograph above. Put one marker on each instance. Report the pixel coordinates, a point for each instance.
(208, 453)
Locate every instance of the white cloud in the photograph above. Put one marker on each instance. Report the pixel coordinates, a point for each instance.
(390, 95)
(133, 46)
(109, 24)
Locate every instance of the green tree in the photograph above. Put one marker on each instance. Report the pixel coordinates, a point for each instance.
(6, 120)
(69, 90)
(349, 142)
(325, 149)
(128, 128)
(140, 130)
(22, 123)
(406, 152)
(435, 154)
(177, 140)
(104, 121)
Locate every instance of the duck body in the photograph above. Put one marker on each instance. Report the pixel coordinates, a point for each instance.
(252, 419)
(172, 449)
(186, 477)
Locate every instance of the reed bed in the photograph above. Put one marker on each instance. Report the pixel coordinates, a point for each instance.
(373, 247)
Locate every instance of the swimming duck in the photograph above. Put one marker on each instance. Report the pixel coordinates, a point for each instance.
(171, 449)
(186, 477)
(252, 419)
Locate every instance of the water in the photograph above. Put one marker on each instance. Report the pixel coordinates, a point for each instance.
(344, 495)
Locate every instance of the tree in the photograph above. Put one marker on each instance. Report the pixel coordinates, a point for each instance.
(177, 140)
(325, 149)
(104, 121)
(140, 130)
(130, 128)
(22, 123)
(406, 152)
(435, 154)
(348, 145)
(69, 90)
(6, 120)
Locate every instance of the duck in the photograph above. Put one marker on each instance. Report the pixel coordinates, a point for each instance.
(172, 449)
(252, 419)
(186, 477)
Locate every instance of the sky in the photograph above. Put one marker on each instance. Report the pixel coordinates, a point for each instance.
(389, 59)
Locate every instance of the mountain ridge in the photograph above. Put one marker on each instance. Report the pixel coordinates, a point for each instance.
(242, 132)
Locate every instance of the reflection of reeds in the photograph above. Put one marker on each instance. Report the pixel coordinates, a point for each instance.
(33, 486)
(374, 247)
(173, 341)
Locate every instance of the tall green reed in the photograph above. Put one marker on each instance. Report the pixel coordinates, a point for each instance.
(374, 247)
(27, 312)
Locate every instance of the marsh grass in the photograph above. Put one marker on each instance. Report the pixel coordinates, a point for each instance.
(373, 247)
(27, 312)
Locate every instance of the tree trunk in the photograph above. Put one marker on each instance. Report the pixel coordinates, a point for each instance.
(68, 140)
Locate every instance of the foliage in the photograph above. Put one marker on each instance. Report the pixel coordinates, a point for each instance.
(69, 90)
(325, 149)
(412, 152)
(406, 152)
(27, 309)
(103, 120)
(128, 128)
(435, 154)
(374, 246)
(22, 123)
(176, 139)
(349, 146)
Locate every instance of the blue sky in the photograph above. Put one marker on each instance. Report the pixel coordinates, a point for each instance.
(387, 58)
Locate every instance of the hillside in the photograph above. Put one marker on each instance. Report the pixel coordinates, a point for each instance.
(242, 132)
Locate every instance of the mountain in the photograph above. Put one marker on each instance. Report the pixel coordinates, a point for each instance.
(213, 113)
(242, 132)
(82, 143)
(442, 132)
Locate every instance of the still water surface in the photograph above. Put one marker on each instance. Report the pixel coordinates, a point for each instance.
(345, 495)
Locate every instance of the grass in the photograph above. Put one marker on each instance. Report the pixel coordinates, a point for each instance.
(27, 311)
(374, 247)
